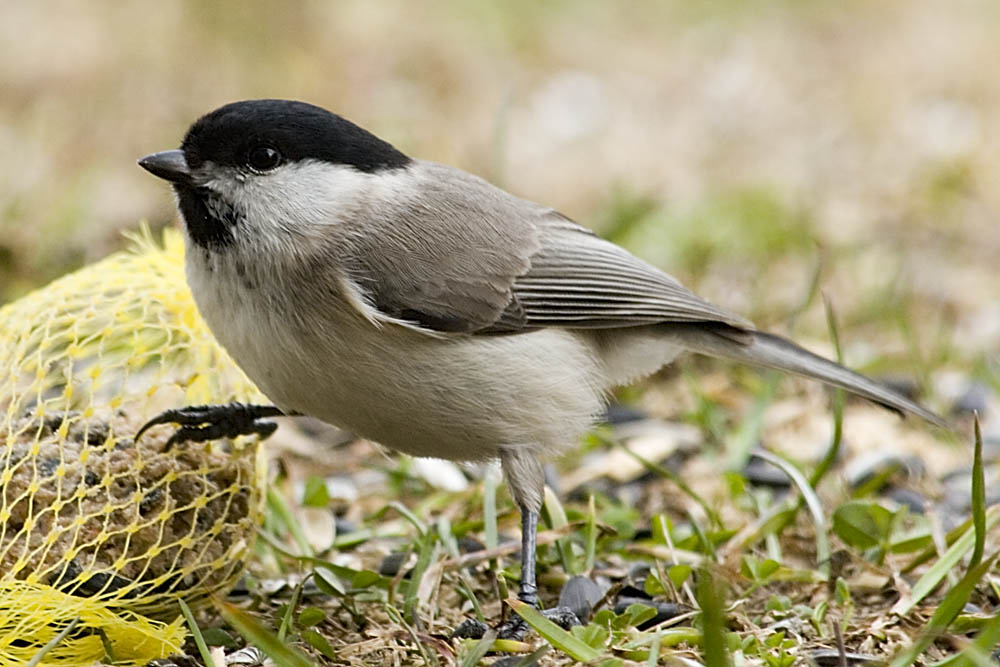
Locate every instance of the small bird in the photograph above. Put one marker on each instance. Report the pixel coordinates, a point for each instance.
(421, 307)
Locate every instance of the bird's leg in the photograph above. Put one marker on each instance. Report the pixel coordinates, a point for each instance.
(515, 627)
(527, 484)
(200, 423)
(528, 590)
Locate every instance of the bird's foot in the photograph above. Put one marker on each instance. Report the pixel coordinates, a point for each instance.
(515, 627)
(201, 423)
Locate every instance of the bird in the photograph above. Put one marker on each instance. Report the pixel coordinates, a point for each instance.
(421, 307)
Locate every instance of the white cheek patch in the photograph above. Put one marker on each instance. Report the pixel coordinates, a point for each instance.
(301, 208)
(291, 196)
(299, 196)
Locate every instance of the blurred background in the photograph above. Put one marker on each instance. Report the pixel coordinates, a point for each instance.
(756, 150)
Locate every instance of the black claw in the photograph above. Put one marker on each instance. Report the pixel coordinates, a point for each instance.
(265, 429)
(201, 423)
(515, 627)
(183, 434)
(564, 617)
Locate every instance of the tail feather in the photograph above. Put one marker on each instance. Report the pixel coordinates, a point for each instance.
(764, 349)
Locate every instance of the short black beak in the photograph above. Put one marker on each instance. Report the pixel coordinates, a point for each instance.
(168, 165)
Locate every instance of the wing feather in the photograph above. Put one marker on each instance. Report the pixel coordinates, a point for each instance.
(577, 279)
(478, 260)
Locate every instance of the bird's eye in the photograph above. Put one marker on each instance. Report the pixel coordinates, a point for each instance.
(263, 158)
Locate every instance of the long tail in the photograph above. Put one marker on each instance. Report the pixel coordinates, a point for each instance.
(764, 349)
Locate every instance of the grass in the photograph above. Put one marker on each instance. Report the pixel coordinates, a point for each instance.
(770, 595)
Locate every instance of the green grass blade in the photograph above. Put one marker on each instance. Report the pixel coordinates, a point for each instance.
(480, 650)
(466, 588)
(199, 641)
(706, 544)
(711, 599)
(939, 570)
(833, 451)
(931, 550)
(978, 498)
(427, 545)
(280, 508)
(556, 516)
(590, 536)
(286, 620)
(38, 657)
(945, 613)
(255, 633)
(531, 660)
(654, 651)
(513, 646)
(812, 502)
(741, 444)
(552, 633)
(409, 516)
(981, 646)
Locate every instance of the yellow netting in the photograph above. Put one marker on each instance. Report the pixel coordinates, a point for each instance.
(93, 526)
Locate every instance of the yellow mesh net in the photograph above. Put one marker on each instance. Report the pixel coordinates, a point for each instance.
(96, 528)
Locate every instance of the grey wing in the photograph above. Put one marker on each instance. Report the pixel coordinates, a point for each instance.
(463, 256)
(578, 280)
(442, 253)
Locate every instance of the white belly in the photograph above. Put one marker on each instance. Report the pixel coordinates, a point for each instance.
(460, 397)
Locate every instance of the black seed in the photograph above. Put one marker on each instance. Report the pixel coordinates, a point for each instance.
(54, 420)
(97, 434)
(150, 500)
(630, 591)
(468, 545)
(46, 467)
(580, 594)
(763, 473)
(392, 563)
(101, 582)
(829, 656)
(915, 501)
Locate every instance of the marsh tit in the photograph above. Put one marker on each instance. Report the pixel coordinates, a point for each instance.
(421, 307)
